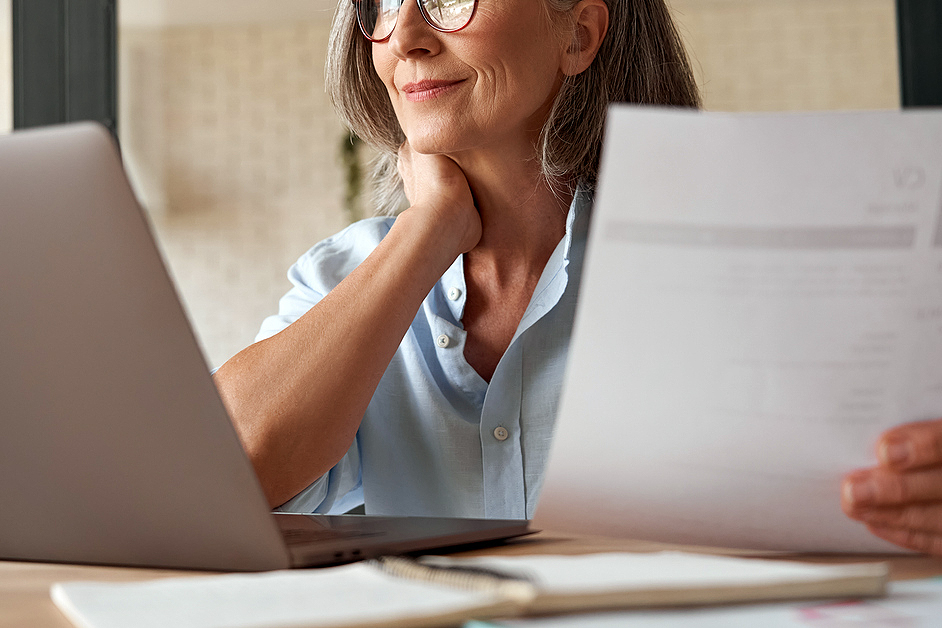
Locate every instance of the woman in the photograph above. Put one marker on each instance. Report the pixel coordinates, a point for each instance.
(416, 364)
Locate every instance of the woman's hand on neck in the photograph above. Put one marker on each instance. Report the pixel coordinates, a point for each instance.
(438, 191)
(493, 201)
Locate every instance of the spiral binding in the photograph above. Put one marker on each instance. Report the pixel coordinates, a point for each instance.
(468, 578)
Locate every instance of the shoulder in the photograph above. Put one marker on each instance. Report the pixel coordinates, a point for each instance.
(325, 265)
(329, 261)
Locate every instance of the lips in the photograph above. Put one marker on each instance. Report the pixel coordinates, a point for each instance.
(426, 90)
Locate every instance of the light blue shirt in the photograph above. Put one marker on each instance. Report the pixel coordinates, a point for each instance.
(437, 439)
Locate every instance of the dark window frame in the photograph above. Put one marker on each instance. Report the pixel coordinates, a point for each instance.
(64, 62)
(920, 52)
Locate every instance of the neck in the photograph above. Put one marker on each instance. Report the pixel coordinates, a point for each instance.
(523, 218)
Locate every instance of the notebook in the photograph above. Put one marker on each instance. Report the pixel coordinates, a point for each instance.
(114, 445)
(436, 591)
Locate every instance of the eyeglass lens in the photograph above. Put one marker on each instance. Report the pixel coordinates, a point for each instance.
(377, 18)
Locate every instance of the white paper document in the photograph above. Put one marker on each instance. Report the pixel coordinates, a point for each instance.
(762, 298)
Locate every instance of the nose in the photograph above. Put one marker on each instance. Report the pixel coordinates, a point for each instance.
(413, 37)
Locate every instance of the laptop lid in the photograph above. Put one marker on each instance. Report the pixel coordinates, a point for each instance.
(114, 445)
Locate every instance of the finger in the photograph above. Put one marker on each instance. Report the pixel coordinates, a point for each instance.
(881, 487)
(916, 541)
(912, 446)
(917, 518)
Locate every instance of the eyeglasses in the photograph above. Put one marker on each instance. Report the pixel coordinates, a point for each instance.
(377, 18)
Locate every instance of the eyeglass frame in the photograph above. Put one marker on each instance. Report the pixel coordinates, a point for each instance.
(428, 20)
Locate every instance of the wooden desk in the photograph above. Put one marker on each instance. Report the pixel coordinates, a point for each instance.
(24, 587)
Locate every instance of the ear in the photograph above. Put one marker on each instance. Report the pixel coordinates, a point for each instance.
(590, 23)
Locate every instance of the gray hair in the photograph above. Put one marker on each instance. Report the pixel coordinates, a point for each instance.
(642, 60)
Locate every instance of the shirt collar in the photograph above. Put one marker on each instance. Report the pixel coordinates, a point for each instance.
(576, 228)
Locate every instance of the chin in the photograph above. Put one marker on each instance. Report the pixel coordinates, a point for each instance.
(425, 146)
(433, 141)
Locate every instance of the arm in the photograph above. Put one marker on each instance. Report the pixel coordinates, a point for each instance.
(900, 500)
(297, 399)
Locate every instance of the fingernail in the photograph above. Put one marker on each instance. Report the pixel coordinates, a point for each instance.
(860, 492)
(896, 454)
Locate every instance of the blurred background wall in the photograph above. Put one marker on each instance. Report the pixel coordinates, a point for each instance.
(233, 148)
(789, 55)
(236, 154)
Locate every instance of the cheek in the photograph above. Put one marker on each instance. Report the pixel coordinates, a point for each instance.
(522, 77)
(520, 61)
(382, 64)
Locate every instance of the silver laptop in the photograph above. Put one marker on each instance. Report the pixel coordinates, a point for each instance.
(114, 445)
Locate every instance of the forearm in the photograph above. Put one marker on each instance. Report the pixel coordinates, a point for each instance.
(297, 398)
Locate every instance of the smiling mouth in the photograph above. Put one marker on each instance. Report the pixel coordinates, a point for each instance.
(426, 90)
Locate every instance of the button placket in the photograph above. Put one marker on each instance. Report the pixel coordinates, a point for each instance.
(505, 495)
(452, 288)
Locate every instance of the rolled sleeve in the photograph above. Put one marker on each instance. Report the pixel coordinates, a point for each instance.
(319, 271)
(336, 492)
(295, 304)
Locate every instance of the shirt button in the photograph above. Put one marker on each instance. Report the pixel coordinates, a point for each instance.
(443, 341)
(501, 433)
(454, 294)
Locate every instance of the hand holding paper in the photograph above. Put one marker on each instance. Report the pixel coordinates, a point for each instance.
(901, 499)
(762, 299)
